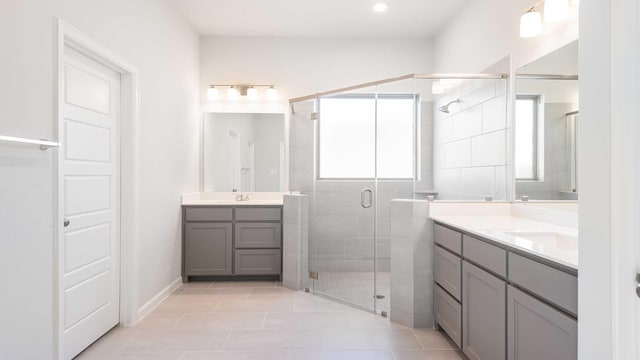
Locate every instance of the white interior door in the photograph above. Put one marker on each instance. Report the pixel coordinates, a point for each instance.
(90, 203)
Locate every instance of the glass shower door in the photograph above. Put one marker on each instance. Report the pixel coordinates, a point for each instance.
(342, 237)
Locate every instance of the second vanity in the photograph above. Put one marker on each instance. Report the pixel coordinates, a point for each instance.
(506, 286)
(224, 237)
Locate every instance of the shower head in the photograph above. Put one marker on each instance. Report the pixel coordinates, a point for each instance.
(445, 108)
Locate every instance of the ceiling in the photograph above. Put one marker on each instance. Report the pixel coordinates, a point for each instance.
(320, 18)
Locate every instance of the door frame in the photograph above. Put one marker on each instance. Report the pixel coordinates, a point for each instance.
(66, 35)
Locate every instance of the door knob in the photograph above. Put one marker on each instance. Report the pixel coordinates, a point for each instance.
(638, 285)
(66, 222)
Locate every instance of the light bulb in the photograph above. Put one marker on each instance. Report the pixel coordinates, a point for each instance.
(252, 93)
(272, 93)
(212, 93)
(380, 7)
(530, 24)
(232, 93)
(555, 10)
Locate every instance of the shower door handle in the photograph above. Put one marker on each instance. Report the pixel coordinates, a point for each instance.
(362, 198)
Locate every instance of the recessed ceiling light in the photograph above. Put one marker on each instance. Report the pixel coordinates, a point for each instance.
(380, 7)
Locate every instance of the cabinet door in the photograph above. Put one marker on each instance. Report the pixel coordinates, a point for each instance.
(538, 331)
(483, 314)
(258, 235)
(208, 248)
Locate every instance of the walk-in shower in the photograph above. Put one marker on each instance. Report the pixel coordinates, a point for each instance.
(356, 149)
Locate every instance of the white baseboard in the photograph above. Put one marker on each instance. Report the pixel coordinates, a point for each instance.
(158, 298)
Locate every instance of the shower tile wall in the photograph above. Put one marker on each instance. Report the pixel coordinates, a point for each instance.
(470, 143)
(341, 231)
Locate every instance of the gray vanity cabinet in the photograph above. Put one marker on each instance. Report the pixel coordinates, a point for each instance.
(483, 314)
(210, 247)
(232, 241)
(496, 302)
(538, 331)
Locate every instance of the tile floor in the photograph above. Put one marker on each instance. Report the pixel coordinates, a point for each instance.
(357, 288)
(264, 321)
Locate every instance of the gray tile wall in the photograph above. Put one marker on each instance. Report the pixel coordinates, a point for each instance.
(411, 263)
(470, 142)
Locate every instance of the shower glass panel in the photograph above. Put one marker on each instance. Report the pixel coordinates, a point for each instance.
(344, 202)
(355, 152)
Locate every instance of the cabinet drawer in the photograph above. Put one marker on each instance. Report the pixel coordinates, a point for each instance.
(209, 214)
(258, 235)
(550, 284)
(258, 262)
(447, 270)
(258, 214)
(486, 255)
(448, 314)
(538, 331)
(448, 238)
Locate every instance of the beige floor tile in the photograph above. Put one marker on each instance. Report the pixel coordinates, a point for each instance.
(178, 304)
(341, 355)
(428, 355)
(268, 339)
(242, 284)
(197, 284)
(318, 304)
(237, 355)
(367, 320)
(237, 292)
(273, 291)
(223, 321)
(158, 321)
(139, 356)
(306, 320)
(164, 341)
(369, 339)
(432, 339)
(113, 340)
(273, 304)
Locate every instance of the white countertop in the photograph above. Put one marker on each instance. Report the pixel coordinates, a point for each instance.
(228, 198)
(546, 240)
(232, 202)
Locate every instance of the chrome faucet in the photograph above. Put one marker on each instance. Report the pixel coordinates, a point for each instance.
(242, 197)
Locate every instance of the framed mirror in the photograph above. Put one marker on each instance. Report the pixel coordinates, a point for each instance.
(244, 152)
(546, 121)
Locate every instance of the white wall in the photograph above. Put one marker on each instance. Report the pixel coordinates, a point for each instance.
(147, 33)
(486, 31)
(301, 66)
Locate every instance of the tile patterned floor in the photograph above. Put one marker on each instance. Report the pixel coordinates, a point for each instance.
(264, 321)
(357, 288)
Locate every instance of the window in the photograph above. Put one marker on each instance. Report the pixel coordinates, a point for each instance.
(348, 134)
(526, 132)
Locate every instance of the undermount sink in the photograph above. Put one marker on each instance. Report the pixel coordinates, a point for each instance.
(542, 236)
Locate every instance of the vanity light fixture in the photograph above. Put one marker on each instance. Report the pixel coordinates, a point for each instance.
(272, 93)
(212, 93)
(531, 24)
(235, 92)
(252, 93)
(232, 93)
(555, 10)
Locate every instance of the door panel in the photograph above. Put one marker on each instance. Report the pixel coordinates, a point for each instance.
(90, 201)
